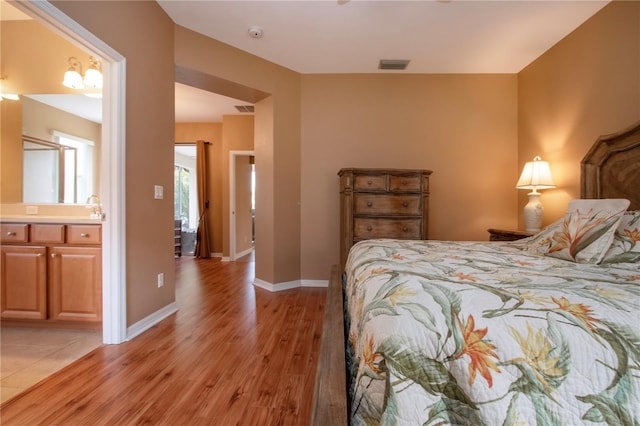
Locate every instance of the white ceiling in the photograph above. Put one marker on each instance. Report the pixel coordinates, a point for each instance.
(351, 36)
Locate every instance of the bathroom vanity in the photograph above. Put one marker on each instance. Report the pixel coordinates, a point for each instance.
(51, 271)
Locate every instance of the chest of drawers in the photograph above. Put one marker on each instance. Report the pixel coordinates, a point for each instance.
(382, 203)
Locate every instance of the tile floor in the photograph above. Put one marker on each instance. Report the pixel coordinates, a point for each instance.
(28, 355)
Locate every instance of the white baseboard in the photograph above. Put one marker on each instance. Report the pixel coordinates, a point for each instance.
(315, 283)
(290, 284)
(151, 320)
(244, 253)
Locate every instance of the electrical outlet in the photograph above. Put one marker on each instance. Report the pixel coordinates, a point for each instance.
(160, 279)
(32, 209)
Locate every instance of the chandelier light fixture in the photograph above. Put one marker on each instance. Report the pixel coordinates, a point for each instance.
(92, 78)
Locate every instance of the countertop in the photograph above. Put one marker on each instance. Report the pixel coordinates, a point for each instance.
(48, 219)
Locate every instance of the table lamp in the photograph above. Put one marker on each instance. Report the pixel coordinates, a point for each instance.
(535, 175)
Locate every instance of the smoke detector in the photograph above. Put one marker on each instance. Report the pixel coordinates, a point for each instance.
(256, 32)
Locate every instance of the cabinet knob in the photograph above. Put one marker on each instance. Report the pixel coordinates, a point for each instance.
(369, 228)
(11, 234)
(53, 255)
(39, 255)
(369, 204)
(83, 235)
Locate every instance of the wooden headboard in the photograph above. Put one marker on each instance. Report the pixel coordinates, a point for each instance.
(611, 168)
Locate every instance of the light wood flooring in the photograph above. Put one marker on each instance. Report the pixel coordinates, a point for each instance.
(234, 354)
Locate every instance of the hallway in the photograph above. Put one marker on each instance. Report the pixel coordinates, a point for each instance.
(232, 354)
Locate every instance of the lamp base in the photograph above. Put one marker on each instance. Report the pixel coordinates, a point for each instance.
(533, 212)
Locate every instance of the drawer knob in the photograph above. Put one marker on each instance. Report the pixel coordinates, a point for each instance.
(369, 228)
(405, 229)
(405, 204)
(11, 234)
(83, 235)
(369, 204)
(369, 182)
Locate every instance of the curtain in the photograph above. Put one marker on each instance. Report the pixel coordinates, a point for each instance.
(202, 236)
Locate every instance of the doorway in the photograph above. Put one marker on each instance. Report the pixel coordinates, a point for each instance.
(185, 199)
(242, 211)
(112, 162)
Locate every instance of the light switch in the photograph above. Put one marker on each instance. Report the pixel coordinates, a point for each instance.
(159, 192)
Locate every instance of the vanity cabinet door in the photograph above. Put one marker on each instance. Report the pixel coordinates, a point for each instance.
(75, 284)
(24, 282)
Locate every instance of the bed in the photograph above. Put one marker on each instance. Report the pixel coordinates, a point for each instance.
(539, 331)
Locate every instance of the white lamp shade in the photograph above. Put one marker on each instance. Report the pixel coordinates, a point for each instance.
(93, 79)
(72, 79)
(536, 175)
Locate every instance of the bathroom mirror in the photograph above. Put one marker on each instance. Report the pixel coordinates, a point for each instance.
(59, 172)
(51, 136)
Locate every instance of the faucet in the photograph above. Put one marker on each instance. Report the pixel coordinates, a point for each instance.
(94, 205)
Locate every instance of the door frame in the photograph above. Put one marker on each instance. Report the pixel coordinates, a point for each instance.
(232, 199)
(112, 166)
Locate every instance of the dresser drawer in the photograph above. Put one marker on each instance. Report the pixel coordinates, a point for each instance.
(84, 234)
(372, 182)
(409, 183)
(403, 229)
(14, 232)
(46, 233)
(387, 204)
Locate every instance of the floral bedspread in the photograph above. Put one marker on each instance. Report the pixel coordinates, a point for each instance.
(481, 333)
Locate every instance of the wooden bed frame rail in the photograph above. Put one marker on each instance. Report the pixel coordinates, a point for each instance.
(330, 394)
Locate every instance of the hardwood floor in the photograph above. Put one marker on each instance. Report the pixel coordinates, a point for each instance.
(233, 355)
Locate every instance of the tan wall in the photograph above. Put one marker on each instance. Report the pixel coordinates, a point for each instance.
(212, 133)
(462, 127)
(33, 61)
(277, 150)
(586, 86)
(143, 33)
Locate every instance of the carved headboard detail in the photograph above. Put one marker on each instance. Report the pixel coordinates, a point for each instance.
(611, 168)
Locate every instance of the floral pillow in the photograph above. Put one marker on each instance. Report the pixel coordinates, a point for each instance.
(540, 242)
(587, 230)
(626, 242)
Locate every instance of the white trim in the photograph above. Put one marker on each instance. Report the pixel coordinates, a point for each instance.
(276, 287)
(244, 253)
(151, 320)
(112, 174)
(315, 283)
(232, 201)
(290, 284)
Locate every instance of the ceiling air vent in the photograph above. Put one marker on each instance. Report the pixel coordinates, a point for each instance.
(244, 108)
(393, 64)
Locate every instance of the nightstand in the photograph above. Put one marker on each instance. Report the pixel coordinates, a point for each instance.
(507, 235)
